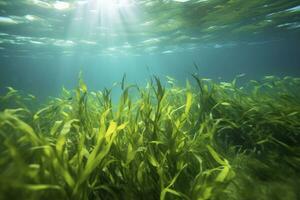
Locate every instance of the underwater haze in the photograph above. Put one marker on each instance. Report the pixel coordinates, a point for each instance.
(150, 99)
(44, 43)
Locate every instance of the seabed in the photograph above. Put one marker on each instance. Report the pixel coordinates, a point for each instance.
(205, 141)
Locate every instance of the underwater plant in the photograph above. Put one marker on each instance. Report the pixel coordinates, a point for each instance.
(205, 141)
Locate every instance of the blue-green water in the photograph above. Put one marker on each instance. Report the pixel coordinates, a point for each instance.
(150, 99)
(45, 43)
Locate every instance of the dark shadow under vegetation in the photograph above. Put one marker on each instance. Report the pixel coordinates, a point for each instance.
(205, 141)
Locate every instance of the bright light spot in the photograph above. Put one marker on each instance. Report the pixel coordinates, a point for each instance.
(35, 42)
(217, 46)
(115, 4)
(88, 42)
(294, 9)
(64, 43)
(60, 5)
(125, 3)
(7, 20)
(102, 24)
(41, 3)
(82, 2)
(167, 52)
(182, 1)
(30, 17)
(151, 41)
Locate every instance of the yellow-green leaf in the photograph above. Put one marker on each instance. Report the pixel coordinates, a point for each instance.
(215, 155)
(111, 129)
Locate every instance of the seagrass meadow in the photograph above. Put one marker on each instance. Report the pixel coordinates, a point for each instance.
(149, 100)
(207, 140)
